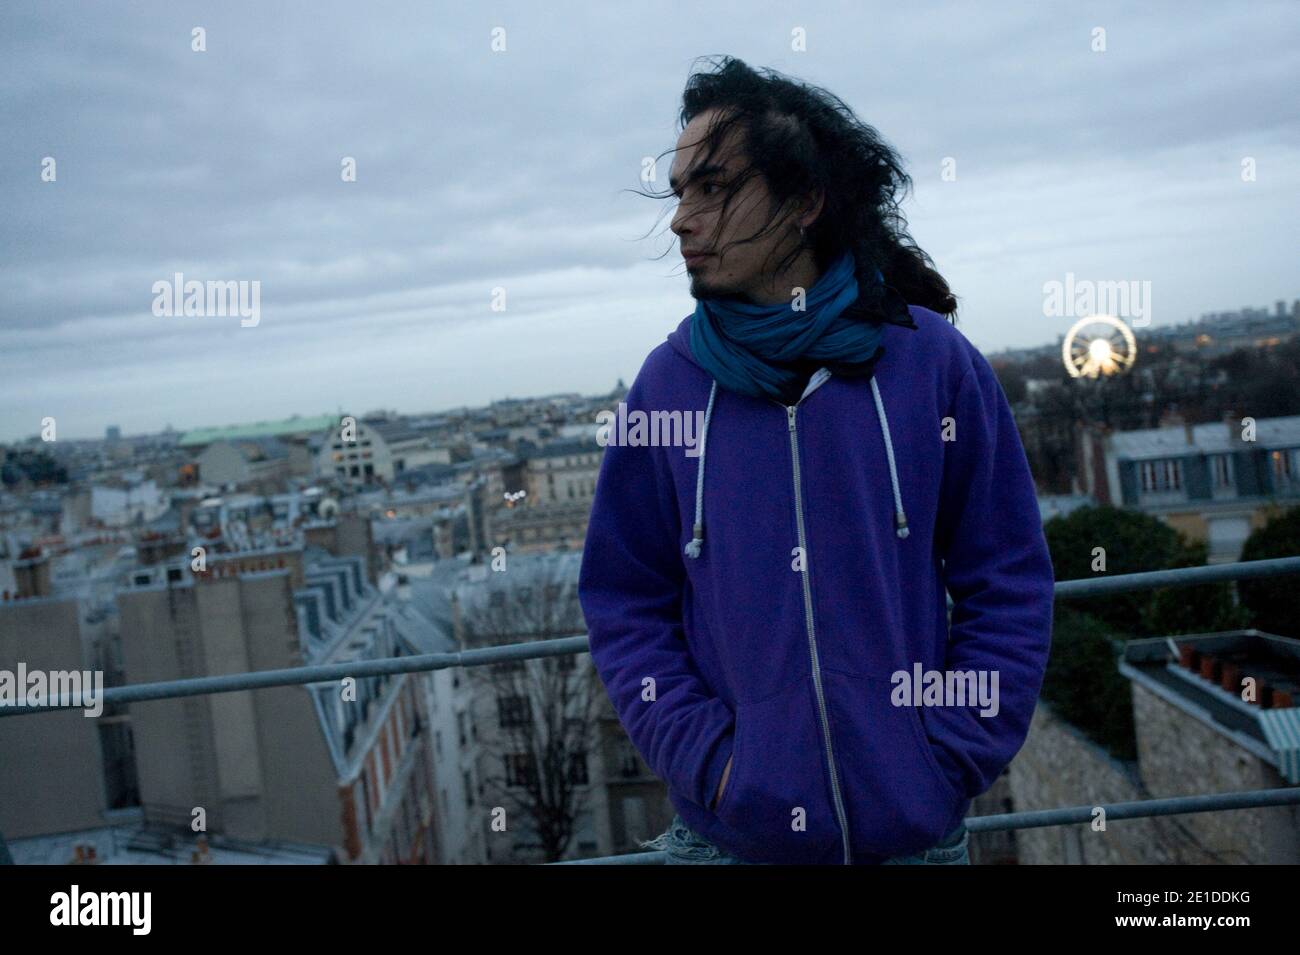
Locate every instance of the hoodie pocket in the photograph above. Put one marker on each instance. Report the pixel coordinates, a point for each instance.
(927, 748)
(899, 800)
(777, 804)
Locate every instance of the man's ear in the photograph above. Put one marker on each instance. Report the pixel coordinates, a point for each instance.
(813, 207)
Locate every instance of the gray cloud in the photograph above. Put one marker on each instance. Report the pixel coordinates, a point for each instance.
(479, 170)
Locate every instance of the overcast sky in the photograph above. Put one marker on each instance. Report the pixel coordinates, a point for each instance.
(478, 170)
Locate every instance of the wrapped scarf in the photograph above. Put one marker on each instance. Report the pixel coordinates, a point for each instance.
(765, 350)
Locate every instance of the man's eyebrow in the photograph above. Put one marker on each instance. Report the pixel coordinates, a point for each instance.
(706, 170)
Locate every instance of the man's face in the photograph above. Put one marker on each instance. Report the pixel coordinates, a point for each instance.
(728, 265)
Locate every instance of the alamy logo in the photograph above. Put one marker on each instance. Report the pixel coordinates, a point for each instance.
(667, 429)
(946, 688)
(84, 688)
(103, 908)
(198, 299)
(1128, 299)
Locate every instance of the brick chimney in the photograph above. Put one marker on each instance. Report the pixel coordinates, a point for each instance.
(32, 573)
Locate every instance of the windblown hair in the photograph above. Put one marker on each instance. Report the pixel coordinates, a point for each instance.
(803, 140)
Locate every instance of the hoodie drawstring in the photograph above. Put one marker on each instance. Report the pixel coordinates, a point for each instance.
(900, 518)
(693, 548)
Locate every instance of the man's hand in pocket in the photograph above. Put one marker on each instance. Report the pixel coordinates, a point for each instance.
(722, 783)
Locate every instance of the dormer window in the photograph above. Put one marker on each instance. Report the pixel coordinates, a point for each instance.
(1283, 470)
(1221, 468)
(1161, 476)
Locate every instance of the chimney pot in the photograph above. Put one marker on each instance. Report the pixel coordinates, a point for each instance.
(1263, 694)
(1231, 679)
(1209, 667)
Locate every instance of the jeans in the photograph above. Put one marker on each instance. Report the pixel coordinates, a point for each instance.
(684, 846)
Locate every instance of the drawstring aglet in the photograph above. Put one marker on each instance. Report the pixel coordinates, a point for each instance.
(901, 522)
(693, 548)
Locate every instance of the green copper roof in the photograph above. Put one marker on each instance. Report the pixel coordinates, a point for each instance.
(259, 429)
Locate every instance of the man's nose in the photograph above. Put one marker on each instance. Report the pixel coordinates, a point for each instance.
(680, 224)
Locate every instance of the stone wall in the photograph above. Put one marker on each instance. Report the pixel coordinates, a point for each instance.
(1177, 755)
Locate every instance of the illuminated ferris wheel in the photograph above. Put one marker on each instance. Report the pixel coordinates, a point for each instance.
(1098, 345)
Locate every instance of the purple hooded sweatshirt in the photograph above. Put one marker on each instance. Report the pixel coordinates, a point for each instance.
(824, 535)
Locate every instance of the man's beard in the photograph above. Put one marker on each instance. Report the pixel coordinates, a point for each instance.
(703, 287)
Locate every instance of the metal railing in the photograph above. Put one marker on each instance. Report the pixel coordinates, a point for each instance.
(1042, 818)
(1064, 589)
(485, 656)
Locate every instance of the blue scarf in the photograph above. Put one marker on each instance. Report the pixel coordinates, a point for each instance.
(737, 342)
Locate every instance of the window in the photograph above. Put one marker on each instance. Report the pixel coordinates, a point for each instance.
(629, 763)
(1163, 475)
(1283, 466)
(1221, 468)
(520, 769)
(578, 769)
(514, 710)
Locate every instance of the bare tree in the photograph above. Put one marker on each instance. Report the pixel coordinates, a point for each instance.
(543, 712)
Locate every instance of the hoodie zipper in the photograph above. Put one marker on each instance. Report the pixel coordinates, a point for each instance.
(790, 411)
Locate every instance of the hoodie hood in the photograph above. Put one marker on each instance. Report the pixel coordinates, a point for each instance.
(680, 339)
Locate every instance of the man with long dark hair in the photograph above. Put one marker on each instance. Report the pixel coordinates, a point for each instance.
(793, 675)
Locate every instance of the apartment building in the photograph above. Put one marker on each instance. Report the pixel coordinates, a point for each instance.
(1213, 482)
